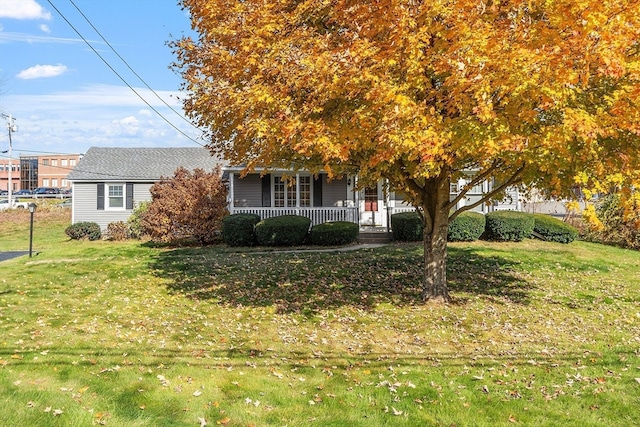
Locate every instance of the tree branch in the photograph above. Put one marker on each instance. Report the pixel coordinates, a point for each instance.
(514, 179)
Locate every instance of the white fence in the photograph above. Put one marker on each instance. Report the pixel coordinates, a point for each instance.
(316, 215)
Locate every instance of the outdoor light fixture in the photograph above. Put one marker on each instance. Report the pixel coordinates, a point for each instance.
(32, 209)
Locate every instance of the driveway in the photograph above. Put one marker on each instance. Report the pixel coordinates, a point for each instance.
(13, 254)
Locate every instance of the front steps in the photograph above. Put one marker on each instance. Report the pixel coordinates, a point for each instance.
(374, 236)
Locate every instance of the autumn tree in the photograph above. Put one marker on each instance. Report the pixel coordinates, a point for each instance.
(530, 92)
(188, 205)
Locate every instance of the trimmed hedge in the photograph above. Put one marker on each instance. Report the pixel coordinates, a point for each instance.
(554, 230)
(466, 227)
(334, 233)
(239, 229)
(508, 226)
(406, 226)
(285, 230)
(84, 230)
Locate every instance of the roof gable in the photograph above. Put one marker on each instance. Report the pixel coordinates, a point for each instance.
(139, 164)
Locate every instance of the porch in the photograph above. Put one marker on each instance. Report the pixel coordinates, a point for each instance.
(319, 215)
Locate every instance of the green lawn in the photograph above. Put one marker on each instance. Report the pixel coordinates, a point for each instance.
(126, 334)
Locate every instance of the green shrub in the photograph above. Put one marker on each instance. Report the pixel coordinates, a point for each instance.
(84, 230)
(508, 226)
(134, 221)
(238, 229)
(406, 226)
(466, 227)
(554, 230)
(117, 231)
(334, 233)
(285, 230)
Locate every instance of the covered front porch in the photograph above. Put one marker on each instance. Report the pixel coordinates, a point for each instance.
(314, 196)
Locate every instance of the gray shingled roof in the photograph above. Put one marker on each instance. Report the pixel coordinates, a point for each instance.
(139, 164)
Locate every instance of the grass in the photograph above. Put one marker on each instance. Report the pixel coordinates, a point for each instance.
(127, 334)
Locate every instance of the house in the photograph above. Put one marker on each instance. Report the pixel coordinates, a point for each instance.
(109, 182)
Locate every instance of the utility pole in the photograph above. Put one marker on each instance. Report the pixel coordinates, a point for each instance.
(11, 127)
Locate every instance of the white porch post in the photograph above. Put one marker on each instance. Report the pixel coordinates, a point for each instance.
(297, 194)
(231, 202)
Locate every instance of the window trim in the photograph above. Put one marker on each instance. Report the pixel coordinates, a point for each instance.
(107, 196)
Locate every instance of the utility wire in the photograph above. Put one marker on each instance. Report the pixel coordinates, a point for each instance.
(129, 67)
(120, 77)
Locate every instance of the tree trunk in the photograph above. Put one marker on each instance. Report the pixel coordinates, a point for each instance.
(435, 264)
(436, 223)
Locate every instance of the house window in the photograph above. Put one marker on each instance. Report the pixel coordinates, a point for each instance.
(115, 196)
(285, 195)
(305, 191)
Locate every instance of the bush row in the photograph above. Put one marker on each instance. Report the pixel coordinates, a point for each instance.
(510, 226)
(285, 230)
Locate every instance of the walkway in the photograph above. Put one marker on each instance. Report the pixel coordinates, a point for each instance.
(13, 254)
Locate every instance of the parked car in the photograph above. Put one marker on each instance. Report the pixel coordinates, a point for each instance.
(4, 204)
(23, 192)
(4, 192)
(45, 190)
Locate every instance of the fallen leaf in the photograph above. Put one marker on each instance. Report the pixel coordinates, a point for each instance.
(202, 421)
(224, 421)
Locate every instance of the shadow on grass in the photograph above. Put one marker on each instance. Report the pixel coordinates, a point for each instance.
(306, 282)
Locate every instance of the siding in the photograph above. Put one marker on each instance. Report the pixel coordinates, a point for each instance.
(85, 204)
(334, 193)
(247, 191)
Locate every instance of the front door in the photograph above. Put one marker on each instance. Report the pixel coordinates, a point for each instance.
(372, 207)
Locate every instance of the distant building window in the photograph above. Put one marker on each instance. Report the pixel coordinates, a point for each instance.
(64, 162)
(65, 183)
(45, 162)
(45, 182)
(54, 182)
(54, 162)
(72, 162)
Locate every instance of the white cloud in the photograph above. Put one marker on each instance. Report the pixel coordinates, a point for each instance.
(22, 9)
(42, 71)
(131, 120)
(45, 28)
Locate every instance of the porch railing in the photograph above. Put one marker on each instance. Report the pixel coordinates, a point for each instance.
(316, 215)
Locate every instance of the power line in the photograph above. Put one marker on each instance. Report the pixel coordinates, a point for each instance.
(129, 67)
(120, 77)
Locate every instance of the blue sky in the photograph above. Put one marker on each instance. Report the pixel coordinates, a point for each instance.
(65, 99)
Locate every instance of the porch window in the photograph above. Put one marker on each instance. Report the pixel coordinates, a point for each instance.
(285, 195)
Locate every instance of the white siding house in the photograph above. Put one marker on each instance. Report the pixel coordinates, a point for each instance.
(110, 181)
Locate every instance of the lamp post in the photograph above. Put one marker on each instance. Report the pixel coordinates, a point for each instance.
(32, 209)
